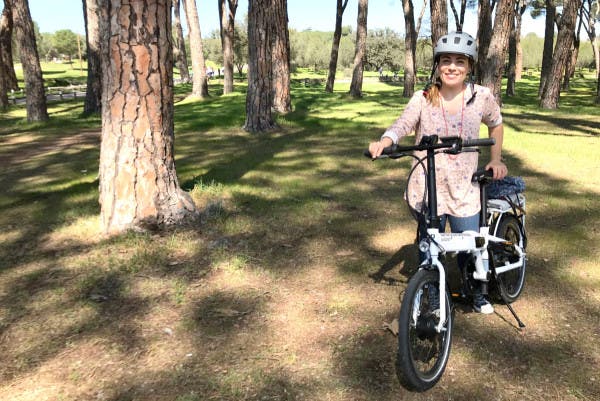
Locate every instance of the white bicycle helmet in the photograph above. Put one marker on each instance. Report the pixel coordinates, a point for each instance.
(456, 43)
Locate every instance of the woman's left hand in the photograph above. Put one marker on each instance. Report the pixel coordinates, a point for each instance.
(500, 170)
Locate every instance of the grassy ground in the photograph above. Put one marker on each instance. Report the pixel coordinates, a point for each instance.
(282, 292)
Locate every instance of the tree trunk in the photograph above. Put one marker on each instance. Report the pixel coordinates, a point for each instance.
(548, 46)
(180, 51)
(3, 89)
(492, 66)
(6, 57)
(590, 28)
(571, 64)
(484, 35)
(439, 20)
(227, 10)
(200, 83)
(459, 19)
(32, 71)
(512, 58)
(259, 96)
(335, 47)
(93, 95)
(410, 46)
(138, 182)
(564, 42)
(360, 49)
(518, 28)
(282, 102)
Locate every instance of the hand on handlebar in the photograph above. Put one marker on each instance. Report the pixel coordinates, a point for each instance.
(500, 170)
(376, 148)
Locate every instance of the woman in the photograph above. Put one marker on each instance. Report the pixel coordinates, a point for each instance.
(452, 106)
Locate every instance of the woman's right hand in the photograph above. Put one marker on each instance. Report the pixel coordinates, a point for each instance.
(376, 148)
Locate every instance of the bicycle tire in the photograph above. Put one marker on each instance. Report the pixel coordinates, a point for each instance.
(511, 283)
(422, 351)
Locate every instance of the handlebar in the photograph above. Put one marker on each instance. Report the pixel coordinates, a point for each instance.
(452, 145)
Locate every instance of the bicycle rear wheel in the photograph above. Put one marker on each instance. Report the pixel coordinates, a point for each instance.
(422, 351)
(511, 282)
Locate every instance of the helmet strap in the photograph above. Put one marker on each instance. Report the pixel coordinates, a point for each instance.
(431, 81)
(472, 84)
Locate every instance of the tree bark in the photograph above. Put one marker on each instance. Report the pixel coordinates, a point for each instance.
(492, 66)
(522, 6)
(180, 51)
(360, 50)
(410, 46)
(32, 71)
(571, 64)
(139, 189)
(439, 20)
(335, 47)
(512, 58)
(282, 101)
(93, 95)
(6, 57)
(548, 46)
(200, 83)
(3, 90)
(259, 96)
(484, 35)
(564, 42)
(459, 19)
(227, 10)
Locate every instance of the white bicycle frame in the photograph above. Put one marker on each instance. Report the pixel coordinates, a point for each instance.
(472, 242)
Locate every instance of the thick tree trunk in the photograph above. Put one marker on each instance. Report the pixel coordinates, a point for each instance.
(410, 46)
(360, 50)
(138, 182)
(200, 83)
(492, 67)
(282, 101)
(564, 42)
(547, 55)
(93, 96)
(32, 71)
(335, 47)
(179, 49)
(227, 10)
(6, 58)
(439, 20)
(484, 35)
(259, 96)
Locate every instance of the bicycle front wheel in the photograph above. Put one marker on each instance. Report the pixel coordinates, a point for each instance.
(422, 351)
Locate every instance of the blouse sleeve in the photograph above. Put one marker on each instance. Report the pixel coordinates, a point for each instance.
(491, 115)
(408, 120)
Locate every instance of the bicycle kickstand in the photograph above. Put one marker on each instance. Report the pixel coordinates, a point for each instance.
(510, 308)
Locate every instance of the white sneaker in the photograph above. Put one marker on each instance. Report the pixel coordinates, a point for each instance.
(482, 305)
(485, 308)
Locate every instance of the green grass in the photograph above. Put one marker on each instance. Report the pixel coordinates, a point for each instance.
(275, 293)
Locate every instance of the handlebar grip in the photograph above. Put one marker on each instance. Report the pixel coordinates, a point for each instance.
(386, 151)
(478, 142)
(481, 175)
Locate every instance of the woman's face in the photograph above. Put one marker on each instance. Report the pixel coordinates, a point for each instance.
(453, 69)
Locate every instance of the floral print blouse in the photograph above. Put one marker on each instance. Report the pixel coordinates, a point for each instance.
(456, 194)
